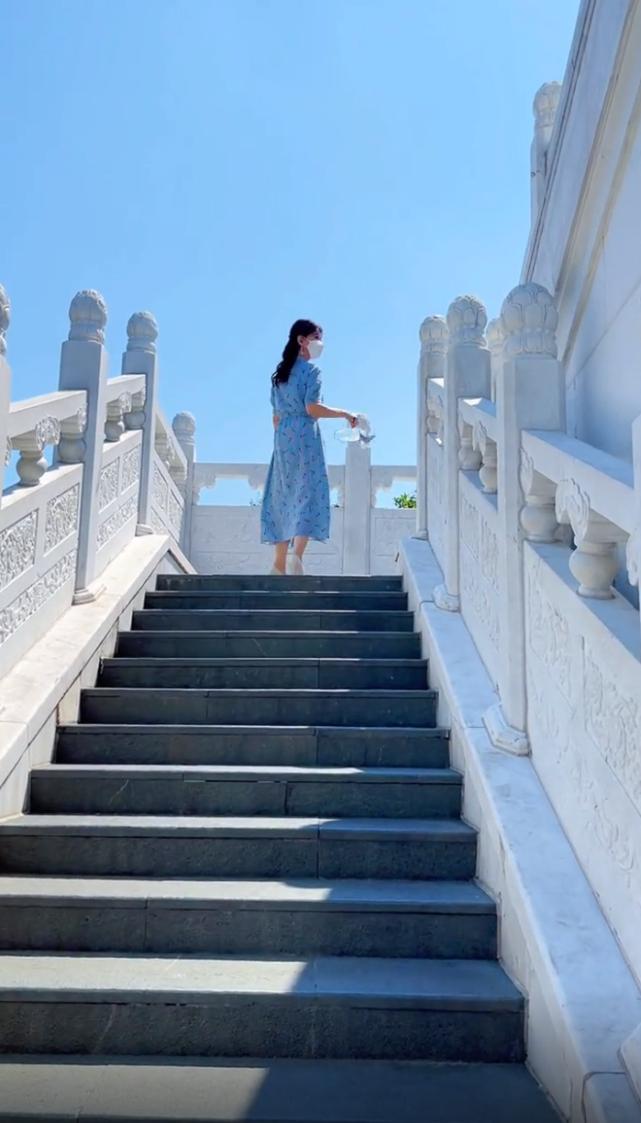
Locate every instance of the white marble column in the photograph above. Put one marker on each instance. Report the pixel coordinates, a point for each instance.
(433, 335)
(140, 358)
(467, 376)
(530, 395)
(184, 427)
(83, 366)
(5, 383)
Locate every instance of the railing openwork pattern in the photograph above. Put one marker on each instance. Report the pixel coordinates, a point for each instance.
(118, 469)
(538, 536)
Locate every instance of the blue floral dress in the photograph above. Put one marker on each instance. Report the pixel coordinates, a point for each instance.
(296, 498)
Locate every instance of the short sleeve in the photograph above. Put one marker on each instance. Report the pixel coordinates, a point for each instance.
(313, 386)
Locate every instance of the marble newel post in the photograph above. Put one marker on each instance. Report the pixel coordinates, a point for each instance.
(184, 427)
(140, 358)
(467, 376)
(546, 102)
(357, 514)
(530, 395)
(5, 383)
(431, 364)
(83, 366)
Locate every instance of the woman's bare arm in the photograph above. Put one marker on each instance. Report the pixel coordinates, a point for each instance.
(316, 410)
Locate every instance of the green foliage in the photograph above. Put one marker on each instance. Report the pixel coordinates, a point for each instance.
(405, 500)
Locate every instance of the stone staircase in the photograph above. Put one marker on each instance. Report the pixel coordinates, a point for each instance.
(243, 889)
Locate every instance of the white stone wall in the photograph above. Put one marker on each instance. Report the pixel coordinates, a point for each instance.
(585, 245)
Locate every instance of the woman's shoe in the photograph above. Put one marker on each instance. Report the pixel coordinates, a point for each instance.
(295, 565)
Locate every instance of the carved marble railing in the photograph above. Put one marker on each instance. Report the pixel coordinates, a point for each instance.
(538, 536)
(363, 538)
(112, 451)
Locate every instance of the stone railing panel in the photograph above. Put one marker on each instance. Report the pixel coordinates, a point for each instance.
(479, 572)
(38, 546)
(167, 501)
(118, 485)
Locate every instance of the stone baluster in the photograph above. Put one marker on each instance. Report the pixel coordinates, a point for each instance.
(184, 427)
(83, 366)
(546, 103)
(633, 549)
(538, 515)
(594, 562)
(72, 446)
(467, 376)
(357, 517)
(117, 410)
(140, 358)
(433, 336)
(469, 457)
(530, 395)
(495, 344)
(32, 464)
(488, 452)
(5, 385)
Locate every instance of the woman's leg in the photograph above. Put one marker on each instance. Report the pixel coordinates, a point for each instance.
(300, 545)
(280, 556)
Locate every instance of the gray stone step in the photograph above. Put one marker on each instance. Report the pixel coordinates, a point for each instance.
(144, 789)
(252, 744)
(308, 582)
(218, 619)
(464, 1010)
(270, 645)
(262, 673)
(178, 1089)
(170, 846)
(298, 918)
(250, 599)
(263, 707)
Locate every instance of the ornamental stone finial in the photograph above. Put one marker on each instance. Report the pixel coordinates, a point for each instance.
(466, 320)
(5, 319)
(142, 332)
(529, 319)
(545, 105)
(88, 316)
(433, 334)
(184, 424)
(495, 335)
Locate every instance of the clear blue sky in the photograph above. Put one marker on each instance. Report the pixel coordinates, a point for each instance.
(234, 164)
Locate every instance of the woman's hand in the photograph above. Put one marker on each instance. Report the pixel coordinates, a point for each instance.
(352, 418)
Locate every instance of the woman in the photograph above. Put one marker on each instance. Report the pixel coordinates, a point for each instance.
(296, 500)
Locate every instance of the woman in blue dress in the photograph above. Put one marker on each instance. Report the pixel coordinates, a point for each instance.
(296, 500)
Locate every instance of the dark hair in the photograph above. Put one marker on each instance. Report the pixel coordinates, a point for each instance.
(292, 349)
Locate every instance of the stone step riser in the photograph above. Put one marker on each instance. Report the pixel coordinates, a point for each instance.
(221, 620)
(260, 1026)
(352, 602)
(369, 749)
(118, 795)
(161, 855)
(162, 929)
(308, 582)
(217, 708)
(298, 676)
(269, 645)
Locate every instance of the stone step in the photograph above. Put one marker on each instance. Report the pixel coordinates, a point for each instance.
(345, 1007)
(253, 744)
(144, 789)
(264, 707)
(170, 846)
(199, 1090)
(262, 581)
(262, 673)
(250, 599)
(218, 619)
(269, 645)
(416, 919)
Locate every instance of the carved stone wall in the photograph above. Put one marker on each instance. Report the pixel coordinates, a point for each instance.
(18, 548)
(388, 528)
(167, 503)
(478, 561)
(584, 719)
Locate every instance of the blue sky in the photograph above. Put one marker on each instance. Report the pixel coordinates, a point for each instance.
(234, 164)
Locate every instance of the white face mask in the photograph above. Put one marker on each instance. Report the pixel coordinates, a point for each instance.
(315, 348)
